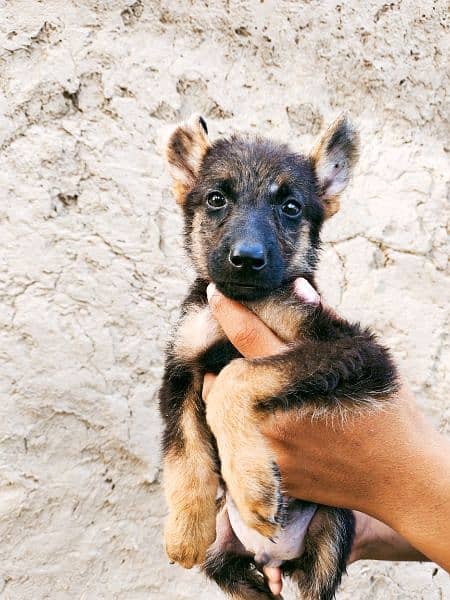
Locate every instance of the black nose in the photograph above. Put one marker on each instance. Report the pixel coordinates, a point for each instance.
(251, 255)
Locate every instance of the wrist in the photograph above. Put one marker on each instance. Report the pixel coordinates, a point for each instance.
(401, 463)
(416, 498)
(375, 540)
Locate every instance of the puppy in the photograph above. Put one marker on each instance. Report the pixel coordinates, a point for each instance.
(253, 210)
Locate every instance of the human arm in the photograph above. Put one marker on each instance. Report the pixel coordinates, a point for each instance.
(391, 464)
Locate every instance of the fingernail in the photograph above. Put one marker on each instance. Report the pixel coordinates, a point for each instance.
(210, 290)
(306, 292)
(275, 588)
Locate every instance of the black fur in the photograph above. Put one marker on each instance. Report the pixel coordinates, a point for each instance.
(217, 357)
(177, 379)
(347, 362)
(236, 574)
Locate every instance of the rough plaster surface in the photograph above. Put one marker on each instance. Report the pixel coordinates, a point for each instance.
(91, 268)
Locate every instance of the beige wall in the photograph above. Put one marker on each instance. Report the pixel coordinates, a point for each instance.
(91, 267)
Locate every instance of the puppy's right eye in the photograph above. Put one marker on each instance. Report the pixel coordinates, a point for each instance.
(216, 200)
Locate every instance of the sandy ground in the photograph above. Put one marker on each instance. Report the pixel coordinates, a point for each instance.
(91, 268)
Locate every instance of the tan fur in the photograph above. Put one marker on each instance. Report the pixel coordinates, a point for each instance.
(190, 484)
(179, 190)
(197, 331)
(185, 151)
(332, 206)
(284, 321)
(299, 261)
(326, 558)
(198, 257)
(247, 460)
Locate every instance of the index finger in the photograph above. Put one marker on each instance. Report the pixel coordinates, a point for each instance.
(248, 334)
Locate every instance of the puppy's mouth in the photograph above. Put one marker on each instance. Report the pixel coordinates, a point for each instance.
(242, 291)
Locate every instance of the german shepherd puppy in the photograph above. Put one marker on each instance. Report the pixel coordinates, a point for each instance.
(253, 210)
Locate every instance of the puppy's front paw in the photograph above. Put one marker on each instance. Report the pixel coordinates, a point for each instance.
(188, 536)
(253, 481)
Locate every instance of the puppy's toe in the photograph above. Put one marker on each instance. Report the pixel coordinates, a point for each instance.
(188, 537)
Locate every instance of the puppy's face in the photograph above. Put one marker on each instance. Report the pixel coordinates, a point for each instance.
(253, 209)
(253, 217)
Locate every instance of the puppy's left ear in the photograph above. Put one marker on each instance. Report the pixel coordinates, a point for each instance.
(185, 152)
(333, 160)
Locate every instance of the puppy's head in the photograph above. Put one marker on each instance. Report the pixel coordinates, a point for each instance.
(253, 208)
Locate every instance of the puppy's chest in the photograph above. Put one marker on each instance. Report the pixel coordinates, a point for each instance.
(198, 333)
(286, 319)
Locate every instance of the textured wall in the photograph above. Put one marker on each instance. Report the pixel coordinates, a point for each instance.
(91, 269)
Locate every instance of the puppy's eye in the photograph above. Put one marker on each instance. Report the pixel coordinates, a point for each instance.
(292, 208)
(216, 200)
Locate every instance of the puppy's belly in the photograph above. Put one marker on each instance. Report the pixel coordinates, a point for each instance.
(288, 545)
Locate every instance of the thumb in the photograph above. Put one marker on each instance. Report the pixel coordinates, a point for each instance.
(248, 334)
(208, 382)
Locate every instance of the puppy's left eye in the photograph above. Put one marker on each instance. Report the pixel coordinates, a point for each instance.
(292, 208)
(216, 200)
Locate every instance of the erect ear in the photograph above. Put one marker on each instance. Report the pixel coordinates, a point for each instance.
(334, 157)
(185, 151)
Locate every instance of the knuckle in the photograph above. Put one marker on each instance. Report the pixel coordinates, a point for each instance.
(246, 337)
(216, 302)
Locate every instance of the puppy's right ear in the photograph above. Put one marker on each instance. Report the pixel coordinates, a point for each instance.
(185, 152)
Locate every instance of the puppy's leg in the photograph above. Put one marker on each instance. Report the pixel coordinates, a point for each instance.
(231, 566)
(327, 547)
(190, 476)
(237, 577)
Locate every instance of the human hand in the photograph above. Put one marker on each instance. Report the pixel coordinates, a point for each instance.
(390, 464)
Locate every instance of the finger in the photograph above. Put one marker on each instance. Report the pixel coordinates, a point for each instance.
(208, 381)
(305, 291)
(308, 295)
(248, 334)
(273, 577)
